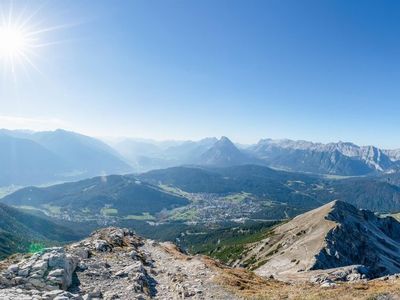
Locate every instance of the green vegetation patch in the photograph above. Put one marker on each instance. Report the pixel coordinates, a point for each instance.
(109, 211)
(54, 210)
(143, 217)
(184, 215)
(173, 190)
(229, 244)
(28, 208)
(36, 247)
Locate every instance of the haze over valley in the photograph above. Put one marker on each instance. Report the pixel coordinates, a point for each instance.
(189, 186)
(199, 150)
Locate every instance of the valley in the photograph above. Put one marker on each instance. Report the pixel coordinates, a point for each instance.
(230, 205)
(189, 205)
(199, 150)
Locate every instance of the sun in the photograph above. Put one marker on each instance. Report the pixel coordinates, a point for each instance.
(21, 38)
(13, 42)
(18, 45)
(25, 37)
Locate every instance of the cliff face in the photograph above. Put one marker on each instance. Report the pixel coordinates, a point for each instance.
(336, 235)
(360, 237)
(112, 263)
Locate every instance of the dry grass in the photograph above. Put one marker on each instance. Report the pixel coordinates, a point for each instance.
(173, 250)
(13, 259)
(250, 286)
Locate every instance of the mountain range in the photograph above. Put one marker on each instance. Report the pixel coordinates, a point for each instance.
(270, 207)
(342, 158)
(47, 157)
(339, 158)
(37, 158)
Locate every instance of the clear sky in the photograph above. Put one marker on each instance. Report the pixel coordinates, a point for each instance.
(316, 70)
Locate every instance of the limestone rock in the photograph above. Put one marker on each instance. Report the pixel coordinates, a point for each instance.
(112, 263)
(336, 235)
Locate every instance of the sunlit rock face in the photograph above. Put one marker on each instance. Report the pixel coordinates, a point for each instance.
(342, 158)
(332, 237)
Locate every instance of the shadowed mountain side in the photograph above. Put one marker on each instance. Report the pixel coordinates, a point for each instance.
(335, 235)
(47, 157)
(19, 230)
(123, 194)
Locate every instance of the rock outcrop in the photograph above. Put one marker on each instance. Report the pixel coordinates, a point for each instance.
(112, 263)
(115, 263)
(49, 270)
(336, 235)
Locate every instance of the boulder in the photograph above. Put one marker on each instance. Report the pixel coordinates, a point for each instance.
(102, 246)
(52, 261)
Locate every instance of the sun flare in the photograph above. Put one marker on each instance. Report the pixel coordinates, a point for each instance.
(13, 42)
(25, 39)
(21, 37)
(17, 45)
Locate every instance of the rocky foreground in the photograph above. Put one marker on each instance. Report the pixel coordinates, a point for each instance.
(112, 263)
(115, 263)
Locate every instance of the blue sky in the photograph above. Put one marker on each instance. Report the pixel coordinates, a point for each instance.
(314, 70)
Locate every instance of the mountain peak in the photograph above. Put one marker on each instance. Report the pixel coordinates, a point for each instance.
(225, 142)
(225, 139)
(224, 153)
(333, 236)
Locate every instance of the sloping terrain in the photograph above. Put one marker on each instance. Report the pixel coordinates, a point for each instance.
(333, 236)
(19, 231)
(341, 158)
(254, 179)
(366, 193)
(224, 153)
(346, 159)
(109, 195)
(305, 190)
(83, 154)
(44, 157)
(115, 263)
(147, 155)
(26, 162)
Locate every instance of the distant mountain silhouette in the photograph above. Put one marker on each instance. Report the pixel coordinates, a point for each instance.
(342, 158)
(43, 157)
(334, 158)
(24, 162)
(224, 153)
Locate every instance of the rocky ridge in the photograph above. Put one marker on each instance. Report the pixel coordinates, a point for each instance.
(115, 263)
(336, 242)
(112, 263)
(342, 158)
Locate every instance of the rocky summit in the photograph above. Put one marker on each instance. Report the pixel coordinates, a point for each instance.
(112, 263)
(335, 241)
